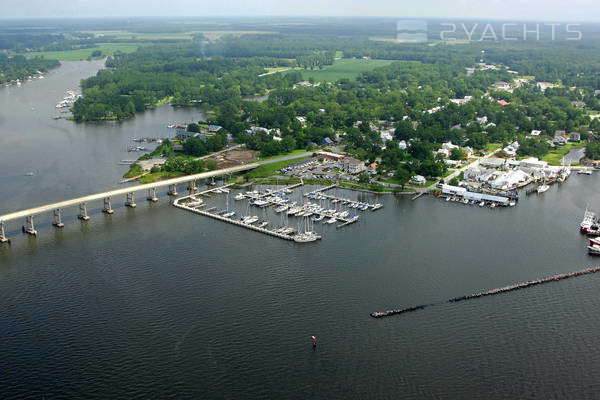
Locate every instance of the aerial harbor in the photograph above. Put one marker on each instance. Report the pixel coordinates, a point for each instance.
(300, 201)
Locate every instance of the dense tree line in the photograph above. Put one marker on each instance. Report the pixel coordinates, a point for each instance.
(19, 67)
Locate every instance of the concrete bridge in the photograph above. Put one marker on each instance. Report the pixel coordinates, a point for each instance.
(107, 197)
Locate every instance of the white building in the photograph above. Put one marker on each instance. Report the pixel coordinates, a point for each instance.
(387, 135)
(533, 162)
(510, 180)
(449, 146)
(418, 180)
(536, 133)
(352, 165)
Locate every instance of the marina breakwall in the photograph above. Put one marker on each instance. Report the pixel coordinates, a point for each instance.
(492, 292)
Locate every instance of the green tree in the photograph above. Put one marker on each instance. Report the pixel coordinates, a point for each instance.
(402, 175)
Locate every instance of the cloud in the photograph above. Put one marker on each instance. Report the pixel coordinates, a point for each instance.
(536, 10)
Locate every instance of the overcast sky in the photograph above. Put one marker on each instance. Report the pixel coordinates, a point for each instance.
(509, 10)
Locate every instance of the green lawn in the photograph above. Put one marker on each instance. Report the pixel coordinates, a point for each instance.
(492, 147)
(294, 152)
(271, 169)
(344, 68)
(108, 49)
(554, 156)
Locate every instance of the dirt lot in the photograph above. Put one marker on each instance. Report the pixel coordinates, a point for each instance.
(235, 157)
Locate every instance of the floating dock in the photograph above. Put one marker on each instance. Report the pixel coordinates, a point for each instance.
(232, 221)
(491, 292)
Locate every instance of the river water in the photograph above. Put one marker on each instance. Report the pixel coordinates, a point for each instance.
(157, 302)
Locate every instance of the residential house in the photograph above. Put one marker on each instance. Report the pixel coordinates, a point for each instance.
(418, 180)
(574, 137)
(443, 152)
(578, 104)
(536, 133)
(185, 135)
(559, 140)
(462, 101)
(501, 86)
(372, 169)
(449, 146)
(214, 128)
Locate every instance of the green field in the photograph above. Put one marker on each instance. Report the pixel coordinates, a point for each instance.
(267, 170)
(554, 156)
(345, 68)
(108, 49)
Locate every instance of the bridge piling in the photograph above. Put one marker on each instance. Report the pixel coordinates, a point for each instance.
(83, 215)
(3, 238)
(192, 187)
(29, 228)
(57, 221)
(172, 190)
(107, 209)
(152, 195)
(130, 200)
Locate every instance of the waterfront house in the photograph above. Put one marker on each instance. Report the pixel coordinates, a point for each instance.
(352, 165)
(214, 128)
(418, 180)
(185, 135)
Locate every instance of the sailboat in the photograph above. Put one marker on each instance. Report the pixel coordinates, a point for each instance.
(228, 213)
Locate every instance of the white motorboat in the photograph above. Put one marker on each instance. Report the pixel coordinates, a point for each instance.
(542, 188)
(239, 196)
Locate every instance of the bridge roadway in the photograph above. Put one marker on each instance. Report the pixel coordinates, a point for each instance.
(128, 191)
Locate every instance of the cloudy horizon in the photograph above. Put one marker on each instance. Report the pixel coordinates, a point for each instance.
(514, 10)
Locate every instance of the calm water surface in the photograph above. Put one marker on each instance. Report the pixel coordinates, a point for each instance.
(159, 303)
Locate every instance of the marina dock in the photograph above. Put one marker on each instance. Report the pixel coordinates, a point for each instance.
(278, 198)
(210, 214)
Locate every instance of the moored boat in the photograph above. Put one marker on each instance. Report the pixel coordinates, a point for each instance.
(543, 188)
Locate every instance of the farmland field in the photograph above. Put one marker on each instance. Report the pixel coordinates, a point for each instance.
(108, 49)
(344, 68)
